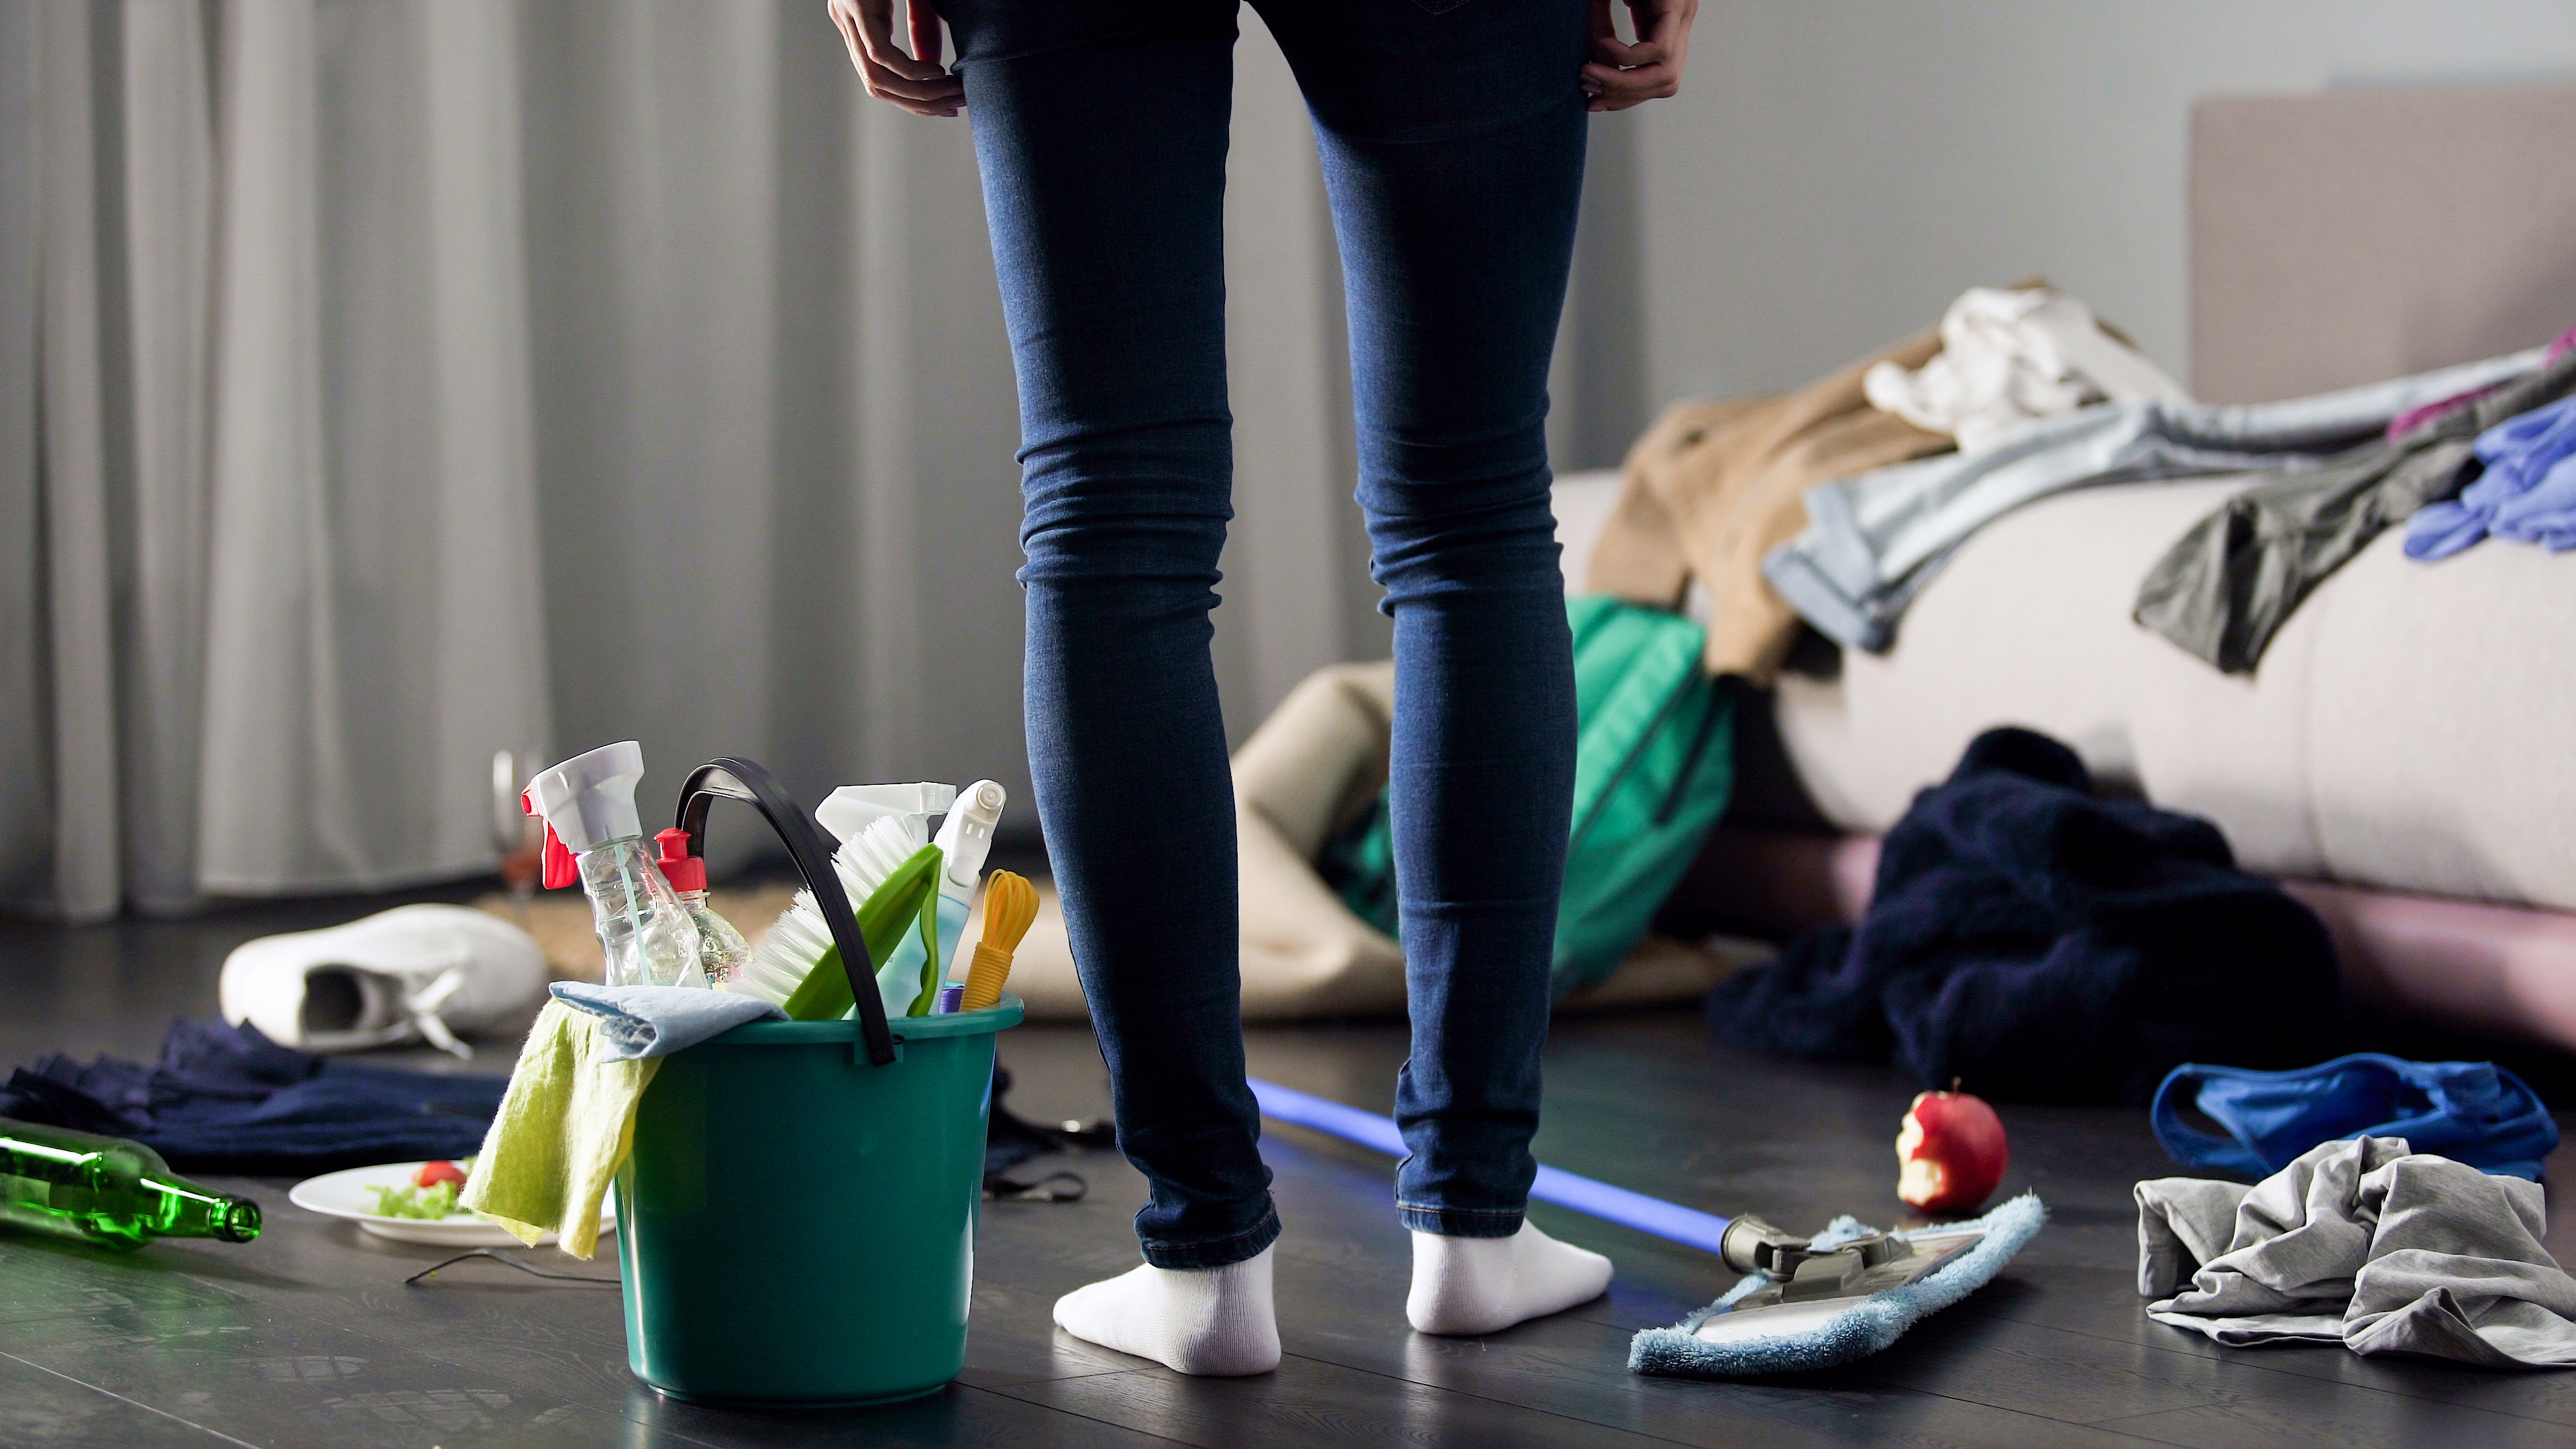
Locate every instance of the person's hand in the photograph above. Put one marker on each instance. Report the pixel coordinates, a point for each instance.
(914, 81)
(1623, 75)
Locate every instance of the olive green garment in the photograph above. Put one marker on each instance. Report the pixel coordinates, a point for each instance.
(2229, 585)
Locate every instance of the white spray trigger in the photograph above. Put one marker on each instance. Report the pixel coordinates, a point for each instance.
(850, 810)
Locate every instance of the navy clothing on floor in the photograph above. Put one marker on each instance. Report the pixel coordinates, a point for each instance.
(227, 1099)
(2044, 945)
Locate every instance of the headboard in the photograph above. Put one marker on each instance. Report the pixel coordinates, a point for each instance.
(2361, 234)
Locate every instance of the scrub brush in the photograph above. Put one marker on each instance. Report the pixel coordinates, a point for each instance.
(779, 964)
(1010, 904)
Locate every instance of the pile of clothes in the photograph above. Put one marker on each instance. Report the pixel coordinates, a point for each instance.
(2367, 1243)
(2042, 943)
(1837, 503)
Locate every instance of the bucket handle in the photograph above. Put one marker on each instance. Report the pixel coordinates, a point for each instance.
(740, 779)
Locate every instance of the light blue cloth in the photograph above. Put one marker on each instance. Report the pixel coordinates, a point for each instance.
(2527, 493)
(654, 1021)
(1874, 539)
(1853, 1332)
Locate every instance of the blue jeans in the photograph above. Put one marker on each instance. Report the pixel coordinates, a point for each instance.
(1452, 147)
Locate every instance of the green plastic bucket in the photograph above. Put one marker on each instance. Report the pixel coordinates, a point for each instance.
(796, 1225)
(796, 1220)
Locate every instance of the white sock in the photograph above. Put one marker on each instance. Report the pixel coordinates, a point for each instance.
(1215, 1321)
(1485, 1285)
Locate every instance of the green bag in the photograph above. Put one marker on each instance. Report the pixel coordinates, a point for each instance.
(1653, 767)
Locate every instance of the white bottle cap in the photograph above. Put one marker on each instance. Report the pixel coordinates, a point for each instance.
(590, 798)
(966, 836)
(850, 810)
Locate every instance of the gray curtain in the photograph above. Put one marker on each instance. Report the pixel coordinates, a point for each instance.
(390, 382)
(265, 450)
(384, 383)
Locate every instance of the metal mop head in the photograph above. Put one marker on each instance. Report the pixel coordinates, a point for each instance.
(1843, 1295)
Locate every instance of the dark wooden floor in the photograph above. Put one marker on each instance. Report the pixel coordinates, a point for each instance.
(308, 1337)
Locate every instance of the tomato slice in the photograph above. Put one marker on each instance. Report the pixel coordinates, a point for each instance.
(431, 1174)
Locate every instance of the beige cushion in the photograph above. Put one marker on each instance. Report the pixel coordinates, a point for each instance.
(2407, 730)
(2375, 232)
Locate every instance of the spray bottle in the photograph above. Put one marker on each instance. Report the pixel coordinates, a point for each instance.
(965, 838)
(594, 836)
(721, 948)
(879, 827)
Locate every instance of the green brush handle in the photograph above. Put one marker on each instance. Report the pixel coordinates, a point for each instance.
(827, 991)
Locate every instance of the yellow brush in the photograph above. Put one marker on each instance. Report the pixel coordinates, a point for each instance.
(1010, 904)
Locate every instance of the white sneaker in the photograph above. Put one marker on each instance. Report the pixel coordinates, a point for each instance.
(424, 971)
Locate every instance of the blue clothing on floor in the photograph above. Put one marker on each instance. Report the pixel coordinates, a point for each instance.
(2472, 1112)
(655, 1021)
(2527, 493)
(1452, 147)
(2043, 945)
(227, 1099)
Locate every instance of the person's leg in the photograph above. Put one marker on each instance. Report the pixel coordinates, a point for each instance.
(1453, 150)
(1100, 130)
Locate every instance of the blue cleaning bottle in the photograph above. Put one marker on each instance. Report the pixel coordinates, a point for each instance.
(965, 839)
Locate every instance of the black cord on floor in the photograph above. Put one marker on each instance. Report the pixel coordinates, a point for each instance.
(511, 1262)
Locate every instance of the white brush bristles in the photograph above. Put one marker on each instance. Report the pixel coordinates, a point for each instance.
(792, 945)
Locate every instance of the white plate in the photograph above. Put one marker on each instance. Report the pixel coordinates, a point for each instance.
(344, 1194)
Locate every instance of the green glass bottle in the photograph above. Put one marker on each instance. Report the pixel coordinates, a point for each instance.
(108, 1191)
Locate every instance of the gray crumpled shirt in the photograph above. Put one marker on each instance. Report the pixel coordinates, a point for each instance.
(2365, 1242)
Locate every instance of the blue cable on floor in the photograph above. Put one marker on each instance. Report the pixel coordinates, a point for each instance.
(1651, 1215)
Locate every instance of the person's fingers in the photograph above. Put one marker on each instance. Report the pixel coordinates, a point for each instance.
(1603, 28)
(846, 22)
(1622, 75)
(945, 88)
(1613, 51)
(925, 30)
(924, 108)
(1669, 38)
(876, 38)
(866, 28)
(1617, 90)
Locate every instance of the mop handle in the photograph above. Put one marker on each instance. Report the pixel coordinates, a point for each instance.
(1670, 1221)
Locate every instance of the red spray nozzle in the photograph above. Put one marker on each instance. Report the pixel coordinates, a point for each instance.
(561, 869)
(685, 872)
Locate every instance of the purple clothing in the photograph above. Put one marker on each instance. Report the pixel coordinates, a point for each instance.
(2413, 418)
(2527, 493)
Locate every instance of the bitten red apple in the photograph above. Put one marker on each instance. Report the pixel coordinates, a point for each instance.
(1951, 1154)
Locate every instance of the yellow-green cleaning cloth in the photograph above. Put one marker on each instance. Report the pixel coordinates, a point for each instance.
(563, 1130)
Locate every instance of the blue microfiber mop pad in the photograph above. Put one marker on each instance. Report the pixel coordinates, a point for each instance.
(1870, 1324)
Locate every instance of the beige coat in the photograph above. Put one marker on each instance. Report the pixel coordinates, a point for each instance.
(1713, 486)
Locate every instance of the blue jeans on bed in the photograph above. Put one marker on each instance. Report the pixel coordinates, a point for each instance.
(1452, 137)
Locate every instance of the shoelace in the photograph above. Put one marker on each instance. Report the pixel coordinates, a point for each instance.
(422, 1007)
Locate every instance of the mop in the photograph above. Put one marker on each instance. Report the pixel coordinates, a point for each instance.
(1804, 1303)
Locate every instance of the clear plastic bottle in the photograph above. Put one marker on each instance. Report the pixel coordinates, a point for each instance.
(721, 948)
(594, 836)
